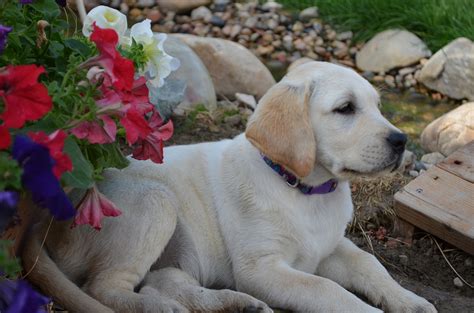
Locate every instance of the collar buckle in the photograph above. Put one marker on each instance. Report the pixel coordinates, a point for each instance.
(292, 185)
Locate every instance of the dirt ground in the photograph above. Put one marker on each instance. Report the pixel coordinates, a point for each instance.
(420, 267)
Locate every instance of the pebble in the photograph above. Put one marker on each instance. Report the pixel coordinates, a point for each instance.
(154, 15)
(403, 259)
(344, 36)
(458, 283)
(390, 81)
(309, 13)
(413, 173)
(468, 262)
(201, 13)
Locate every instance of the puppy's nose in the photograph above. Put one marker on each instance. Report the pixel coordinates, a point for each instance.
(397, 141)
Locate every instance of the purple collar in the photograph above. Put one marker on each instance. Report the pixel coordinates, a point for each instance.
(294, 181)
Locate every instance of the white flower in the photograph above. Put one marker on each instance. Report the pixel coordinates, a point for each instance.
(105, 17)
(159, 64)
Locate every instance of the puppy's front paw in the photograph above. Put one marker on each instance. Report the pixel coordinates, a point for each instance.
(409, 302)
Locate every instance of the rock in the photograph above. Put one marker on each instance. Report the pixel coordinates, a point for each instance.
(403, 259)
(181, 6)
(201, 13)
(217, 21)
(251, 22)
(168, 97)
(248, 100)
(298, 62)
(232, 67)
(432, 158)
(199, 86)
(457, 282)
(390, 81)
(407, 70)
(344, 36)
(154, 15)
(450, 131)
(390, 49)
(413, 173)
(368, 75)
(145, 3)
(297, 27)
(271, 6)
(309, 13)
(451, 70)
(468, 262)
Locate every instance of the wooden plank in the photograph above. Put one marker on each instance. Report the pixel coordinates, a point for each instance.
(461, 162)
(441, 203)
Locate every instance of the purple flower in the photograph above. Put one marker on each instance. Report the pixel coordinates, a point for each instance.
(26, 1)
(8, 203)
(18, 297)
(4, 30)
(39, 179)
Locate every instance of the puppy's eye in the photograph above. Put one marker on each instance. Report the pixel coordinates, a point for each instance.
(346, 108)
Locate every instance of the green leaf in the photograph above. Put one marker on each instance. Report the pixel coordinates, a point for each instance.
(114, 157)
(81, 175)
(78, 46)
(8, 265)
(10, 173)
(49, 9)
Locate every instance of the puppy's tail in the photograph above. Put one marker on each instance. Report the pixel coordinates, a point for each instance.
(42, 271)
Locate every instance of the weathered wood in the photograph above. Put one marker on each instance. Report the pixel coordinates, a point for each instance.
(403, 230)
(441, 203)
(461, 163)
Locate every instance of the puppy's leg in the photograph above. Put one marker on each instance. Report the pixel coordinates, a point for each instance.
(272, 280)
(134, 244)
(183, 288)
(360, 271)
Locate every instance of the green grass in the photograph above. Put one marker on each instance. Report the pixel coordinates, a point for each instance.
(437, 22)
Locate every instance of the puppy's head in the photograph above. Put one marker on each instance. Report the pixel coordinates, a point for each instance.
(325, 114)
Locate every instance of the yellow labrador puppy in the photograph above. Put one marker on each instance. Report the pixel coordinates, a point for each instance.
(263, 215)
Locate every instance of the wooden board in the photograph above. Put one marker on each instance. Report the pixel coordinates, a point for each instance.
(441, 200)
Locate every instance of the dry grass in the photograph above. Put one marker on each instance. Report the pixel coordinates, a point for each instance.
(373, 201)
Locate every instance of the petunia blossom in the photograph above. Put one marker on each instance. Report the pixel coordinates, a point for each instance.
(93, 208)
(120, 69)
(136, 127)
(25, 99)
(105, 17)
(26, 1)
(38, 177)
(159, 64)
(8, 204)
(17, 296)
(94, 132)
(5, 138)
(151, 148)
(4, 31)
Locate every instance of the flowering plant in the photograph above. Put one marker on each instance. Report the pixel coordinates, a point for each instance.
(67, 102)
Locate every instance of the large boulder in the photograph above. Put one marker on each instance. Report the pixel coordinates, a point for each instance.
(233, 68)
(451, 70)
(451, 131)
(391, 49)
(199, 86)
(181, 6)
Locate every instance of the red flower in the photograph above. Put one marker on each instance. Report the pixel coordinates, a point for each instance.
(5, 138)
(152, 146)
(25, 99)
(93, 207)
(55, 144)
(96, 133)
(120, 69)
(135, 125)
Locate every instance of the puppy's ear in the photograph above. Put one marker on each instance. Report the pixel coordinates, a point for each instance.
(281, 128)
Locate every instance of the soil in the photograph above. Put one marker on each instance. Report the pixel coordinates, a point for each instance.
(420, 267)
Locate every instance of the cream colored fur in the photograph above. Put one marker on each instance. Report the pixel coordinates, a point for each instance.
(214, 215)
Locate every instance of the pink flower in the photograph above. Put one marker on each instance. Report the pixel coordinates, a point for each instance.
(135, 125)
(55, 144)
(94, 132)
(152, 146)
(93, 208)
(118, 68)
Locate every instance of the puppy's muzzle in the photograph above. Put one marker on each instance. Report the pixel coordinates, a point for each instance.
(397, 142)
